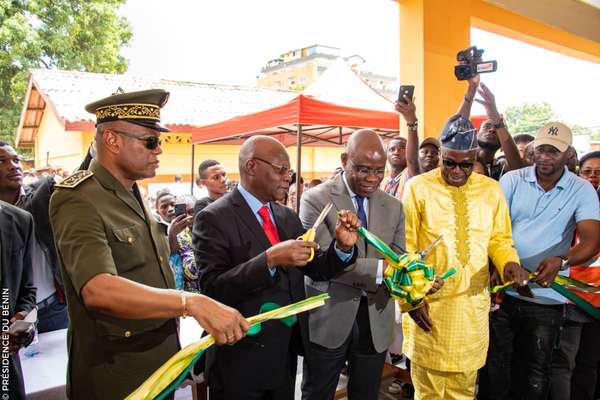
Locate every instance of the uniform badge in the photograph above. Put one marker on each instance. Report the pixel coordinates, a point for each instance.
(75, 179)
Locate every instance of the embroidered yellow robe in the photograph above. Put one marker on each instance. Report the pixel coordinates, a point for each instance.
(475, 224)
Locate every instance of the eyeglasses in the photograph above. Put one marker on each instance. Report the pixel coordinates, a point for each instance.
(590, 172)
(152, 142)
(280, 169)
(464, 165)
(364, 172)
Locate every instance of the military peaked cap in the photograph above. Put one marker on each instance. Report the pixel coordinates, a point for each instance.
(140, 108)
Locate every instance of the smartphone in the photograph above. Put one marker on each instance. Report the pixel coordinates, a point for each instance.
(180, 208)
(20, 326)
(25, 324)
(406, 90)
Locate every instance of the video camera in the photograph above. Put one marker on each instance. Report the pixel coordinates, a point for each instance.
(471, 64)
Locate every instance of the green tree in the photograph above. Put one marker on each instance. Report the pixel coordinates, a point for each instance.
(580, 130)
(528, 117)
(82, 35)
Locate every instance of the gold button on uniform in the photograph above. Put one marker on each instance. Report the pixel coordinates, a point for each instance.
(160, 258)
(127, 333)
(130, 239)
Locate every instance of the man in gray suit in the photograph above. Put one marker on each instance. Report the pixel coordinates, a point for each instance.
(356, 323)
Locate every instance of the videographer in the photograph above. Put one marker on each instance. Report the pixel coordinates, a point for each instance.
(492, 134)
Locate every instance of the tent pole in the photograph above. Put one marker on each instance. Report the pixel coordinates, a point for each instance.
(298, 165)
(193, 155)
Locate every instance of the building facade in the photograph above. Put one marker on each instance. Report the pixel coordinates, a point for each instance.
(296, 69)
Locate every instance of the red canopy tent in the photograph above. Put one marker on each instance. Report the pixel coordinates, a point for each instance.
(321, 123)
(302, 121)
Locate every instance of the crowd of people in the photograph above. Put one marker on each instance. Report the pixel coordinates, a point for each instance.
(93, 253)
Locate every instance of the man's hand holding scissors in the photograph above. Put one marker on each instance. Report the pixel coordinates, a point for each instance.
(299, 252)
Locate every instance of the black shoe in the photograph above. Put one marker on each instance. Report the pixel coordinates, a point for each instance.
(396, 358)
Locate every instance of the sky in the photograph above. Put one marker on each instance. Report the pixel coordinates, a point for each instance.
(229, 41)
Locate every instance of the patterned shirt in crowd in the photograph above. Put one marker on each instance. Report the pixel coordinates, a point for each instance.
(184, 265)
(497, 169)
(395, 186)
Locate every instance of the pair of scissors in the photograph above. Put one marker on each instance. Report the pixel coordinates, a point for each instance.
(310, 234)
(426, 252)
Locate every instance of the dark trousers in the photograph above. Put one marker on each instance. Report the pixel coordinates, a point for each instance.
(523, 335)
(322, 366)
(15, 389)
(563, 360)
(284, 392)
(585, 375)
(52, 315)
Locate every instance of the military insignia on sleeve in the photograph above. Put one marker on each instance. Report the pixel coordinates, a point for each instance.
(75, 179)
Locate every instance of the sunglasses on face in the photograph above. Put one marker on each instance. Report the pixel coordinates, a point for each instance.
(464, 165)
(152, 142)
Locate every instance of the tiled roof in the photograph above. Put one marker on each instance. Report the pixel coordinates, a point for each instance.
(191, 103)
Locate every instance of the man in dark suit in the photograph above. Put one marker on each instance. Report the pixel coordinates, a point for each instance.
(34, 198)
(16, 280)
(247, 253)
(356, 325)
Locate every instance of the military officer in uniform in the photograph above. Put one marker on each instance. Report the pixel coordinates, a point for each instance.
(119, 287)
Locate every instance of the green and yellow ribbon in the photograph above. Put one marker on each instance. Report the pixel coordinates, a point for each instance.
(407, 277)
(167, 378)
(561, 285)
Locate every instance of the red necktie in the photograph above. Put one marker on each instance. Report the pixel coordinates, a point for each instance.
(268, 225)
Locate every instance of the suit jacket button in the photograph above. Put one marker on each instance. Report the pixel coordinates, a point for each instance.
(127, 333)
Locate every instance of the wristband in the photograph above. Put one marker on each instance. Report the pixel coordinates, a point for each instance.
(499, 124)
(184, 314)
(413, 127)
(564, 263)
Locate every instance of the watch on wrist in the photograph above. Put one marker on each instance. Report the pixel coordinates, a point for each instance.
(413, 127)
(499, 124)
(564, 262)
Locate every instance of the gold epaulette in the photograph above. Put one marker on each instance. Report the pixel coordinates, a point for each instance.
(75, 179)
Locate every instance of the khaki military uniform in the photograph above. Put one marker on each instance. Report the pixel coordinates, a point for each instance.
(100, 227)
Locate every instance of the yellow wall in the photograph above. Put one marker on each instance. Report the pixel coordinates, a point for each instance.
(504, 22)
(433, 31)
(56, 147)
(317, 162)
(67, 150)
(281, 78)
